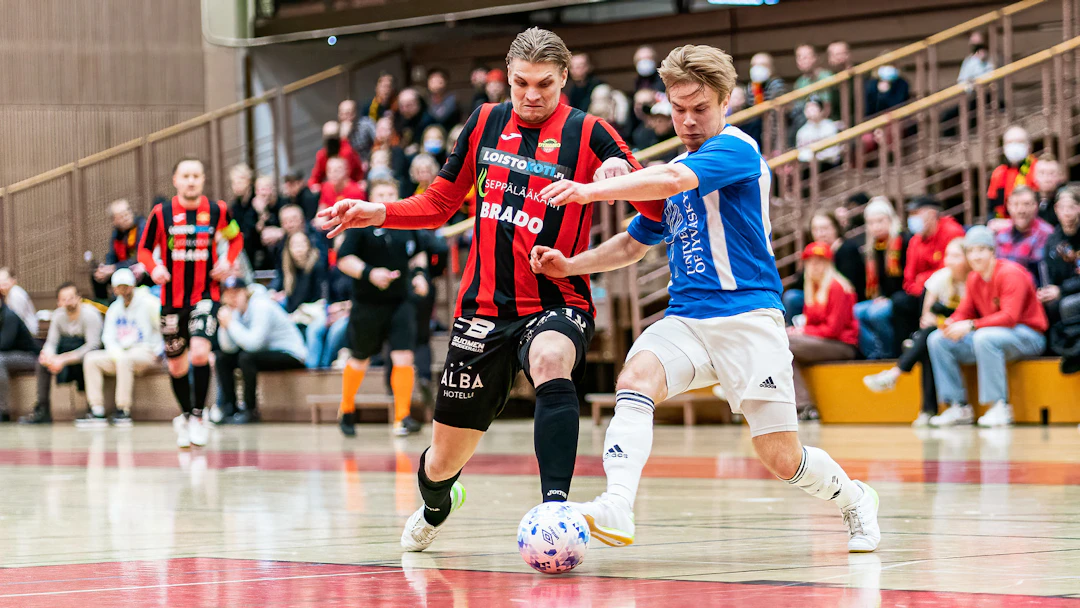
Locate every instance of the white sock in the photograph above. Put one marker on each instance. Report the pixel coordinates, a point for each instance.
(628, 443)
(97, 410)
(820, 476)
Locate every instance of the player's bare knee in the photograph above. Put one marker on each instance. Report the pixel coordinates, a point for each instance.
(401, 358)
(178, 367)
(643, 374)
(781, 453)
(550, 359)
(438, 468)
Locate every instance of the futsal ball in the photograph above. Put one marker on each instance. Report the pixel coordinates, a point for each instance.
(553, 538)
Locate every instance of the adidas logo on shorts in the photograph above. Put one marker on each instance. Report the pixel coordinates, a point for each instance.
(615, 452)
(768, 383)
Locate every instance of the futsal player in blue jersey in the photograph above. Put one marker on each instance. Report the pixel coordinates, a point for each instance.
(724, 322)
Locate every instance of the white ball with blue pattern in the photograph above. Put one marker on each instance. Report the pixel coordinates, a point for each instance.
(553, 538)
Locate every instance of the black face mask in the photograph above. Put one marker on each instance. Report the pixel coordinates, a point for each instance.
(333, 145)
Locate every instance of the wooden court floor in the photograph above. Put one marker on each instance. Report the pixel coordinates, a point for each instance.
(296, 515)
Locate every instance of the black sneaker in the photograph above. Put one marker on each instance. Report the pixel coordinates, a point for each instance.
(347, 423)
(411, 424)
(40, 415)
(121, 419)
(5, 417)
(242, 417)
(90, 421)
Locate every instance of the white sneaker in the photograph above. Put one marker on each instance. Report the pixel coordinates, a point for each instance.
(881, 382)
(180, 425)
(861, 520)
(198, 431)
(955, 415)
(1000, 414)
(922, 421)
(609, 520)
(418, 533)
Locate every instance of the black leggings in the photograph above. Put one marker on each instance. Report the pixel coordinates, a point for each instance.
(918, 353)
(250, 364)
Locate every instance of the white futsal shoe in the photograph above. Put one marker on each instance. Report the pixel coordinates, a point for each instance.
(198, 431)
(609, 520)
(180, 425)
(418, 533)
(861, 520)
(955, 415)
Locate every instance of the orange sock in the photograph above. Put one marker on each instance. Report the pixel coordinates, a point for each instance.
(350, 385)
(402, 378)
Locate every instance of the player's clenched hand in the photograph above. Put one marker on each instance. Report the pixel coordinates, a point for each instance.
(565, 191)
(160, 276)
(549, 262)
(351, 213)
(420, 285)
(382, 277)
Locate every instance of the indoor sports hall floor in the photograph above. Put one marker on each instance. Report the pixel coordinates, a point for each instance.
(295, 515)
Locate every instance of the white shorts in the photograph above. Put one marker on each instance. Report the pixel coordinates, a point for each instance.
(747, 354)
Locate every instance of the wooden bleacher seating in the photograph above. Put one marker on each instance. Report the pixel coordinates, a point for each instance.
(687, 401)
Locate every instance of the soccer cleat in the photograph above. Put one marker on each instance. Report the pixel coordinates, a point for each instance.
(121, 419)
(92, 421)
(1000, 414)
(955, 415)
(922, 421)
(418, 533)
(861, 520)
(180, 425)
(610, 522)
(347, 424)
(198, 431)
(881, 382)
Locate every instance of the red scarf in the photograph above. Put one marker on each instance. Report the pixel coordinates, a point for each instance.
(892, 264)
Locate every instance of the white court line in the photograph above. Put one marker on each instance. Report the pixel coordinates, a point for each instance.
(249, 580)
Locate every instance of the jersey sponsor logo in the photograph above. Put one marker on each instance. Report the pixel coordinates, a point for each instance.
(688, 235)
(477, 328)
(549, 145)
(527, 166)
(191, 255)
(469, 345)
(180, 217)
(189, 229)
(510, 136)
(518, 218)
(170, 324)
(461, 383)
(485, 185)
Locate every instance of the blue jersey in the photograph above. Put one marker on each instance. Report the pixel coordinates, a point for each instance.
(719, 238)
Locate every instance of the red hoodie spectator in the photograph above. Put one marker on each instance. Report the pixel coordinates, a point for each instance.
(926, 251)
(1007, 300)
(338, 185)
(333, 146)
(833, 319)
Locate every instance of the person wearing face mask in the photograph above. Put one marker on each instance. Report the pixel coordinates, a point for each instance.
(333, 146)
(885, 92)
(1023, 237)
(763, 86)
(434, 143)
(1017, 170)
(645, 65)
(442, 105)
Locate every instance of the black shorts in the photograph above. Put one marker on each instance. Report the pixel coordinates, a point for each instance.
(179, 326)
(373, 324)
(487, 353)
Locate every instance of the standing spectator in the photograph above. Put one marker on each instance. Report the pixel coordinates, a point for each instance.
(1017, 170)
(885, 92)
(582, 82)
(944, 290)
(302, 280)
(817, 126)
(18, 352)
(294, 191)
(1023, 237)
(412, 119)
(133, 344)
(838, 56)
(1061, 256)
(830, 331)
(123, 247)
(442, 105)
(998, 320)
(1050, 177)
(978, 61)
(645, 65)
(764, 86)
(74, 331)
(434, 143)
(333, 146)
(383, 101)
(18, 301)
(359, 132)
(930, 234)
(256, 336)
(885, 252)
(806, 59)
(338, 185)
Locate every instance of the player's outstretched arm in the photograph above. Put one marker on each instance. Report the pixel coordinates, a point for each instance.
(617, 252)
(651, 183)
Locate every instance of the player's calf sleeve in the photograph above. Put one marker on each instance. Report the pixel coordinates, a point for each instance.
(628, 443)
(402, 379)
(436, 494)
(202, 389)
(181, 387)
(555, 436)
(820, 476)
(351, 378)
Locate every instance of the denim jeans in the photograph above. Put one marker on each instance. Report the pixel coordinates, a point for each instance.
(989, 349)
(793, 300)
(875, 328)
(324, 342)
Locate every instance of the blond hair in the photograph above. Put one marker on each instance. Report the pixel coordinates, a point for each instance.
(706, 66)
(536, 45)
(818, 293)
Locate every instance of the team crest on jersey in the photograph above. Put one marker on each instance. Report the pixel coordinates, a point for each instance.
(549, 145)
(202, 218)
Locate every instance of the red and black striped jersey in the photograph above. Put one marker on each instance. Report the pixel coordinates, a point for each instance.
(509, 162)
(187, 240)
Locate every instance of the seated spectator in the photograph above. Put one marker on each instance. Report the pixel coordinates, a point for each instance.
(18, 301)
(412, 119)
(838, 56)
(74, 331)
(386, 138)
(18, 353)
(301, 285)
(645, 98)
(656, 127)
(645, 65)
(263, 214)
(133, 344)
(255, 336)
(1022, 238)
(241, 186)
(325, 341)
(825, 228)
(442, 104)
(764, 86)
(884, 251)
(978, 61)
(434, 143)
(944, 290)
(422, 173)
(123, 247)
(1017, 170)
(998, 320)
(495, 87)
(737, 100)
(817, 126)
(811, 72)
(611, 105)
(1050, 177)
(849, 214)
(931, 233)
(291, 218)
(582, 82)
(294, 191)
(384, 101)
(359, 132)
(334, 147)
(886, 91)
(478, 79)
(1061, 256)
(829, 331)
(338, 184)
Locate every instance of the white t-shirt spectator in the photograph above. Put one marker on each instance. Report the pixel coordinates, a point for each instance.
(20, 303)
(813, 132)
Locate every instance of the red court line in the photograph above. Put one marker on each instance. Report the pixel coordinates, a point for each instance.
(209, 582)
(929, 471)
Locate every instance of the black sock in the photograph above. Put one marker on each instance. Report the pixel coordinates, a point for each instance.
(182, 389)
(202, 388)
(555, 436)
(436, 494)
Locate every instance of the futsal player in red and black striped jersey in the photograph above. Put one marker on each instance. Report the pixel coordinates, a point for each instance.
(508, 318)
(185, 231)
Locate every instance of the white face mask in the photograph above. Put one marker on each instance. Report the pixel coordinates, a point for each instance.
(760, 73)
(645, 67)
(1016, 152)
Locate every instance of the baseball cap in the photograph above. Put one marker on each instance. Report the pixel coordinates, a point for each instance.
(234, 283)
(123, 276)
(818, 250)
